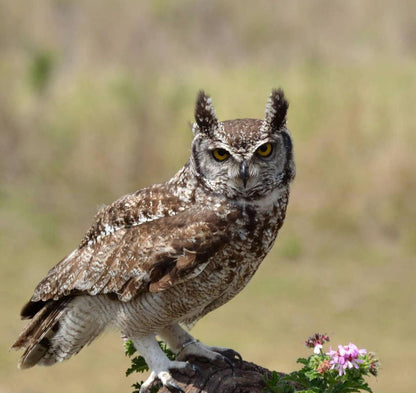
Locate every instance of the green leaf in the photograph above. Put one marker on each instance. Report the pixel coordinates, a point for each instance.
(312, 374)
(138, 365)
(137, 387)
(303, 361)
(275, 384)
(129, 348)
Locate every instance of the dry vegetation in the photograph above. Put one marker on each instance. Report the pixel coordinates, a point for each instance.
(94, 103)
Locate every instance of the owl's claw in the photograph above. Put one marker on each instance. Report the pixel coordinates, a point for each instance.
(190, 369)
(226, 360)
(196, 369)
(166, 378)
(173, 386)
(227, 353)
(213, 354)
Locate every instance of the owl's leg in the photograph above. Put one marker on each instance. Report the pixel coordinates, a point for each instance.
(159, 364)
(183, 344)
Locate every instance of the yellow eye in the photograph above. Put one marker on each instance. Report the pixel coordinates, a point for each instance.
(220, 154)
(265, 150)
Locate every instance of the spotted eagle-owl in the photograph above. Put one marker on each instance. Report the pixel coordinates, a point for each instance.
(166, 255)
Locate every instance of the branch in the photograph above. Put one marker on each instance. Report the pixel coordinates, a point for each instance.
(243, 377)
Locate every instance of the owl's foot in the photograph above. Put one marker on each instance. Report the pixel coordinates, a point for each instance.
(164, 376)
(213, 354)
(160, 365)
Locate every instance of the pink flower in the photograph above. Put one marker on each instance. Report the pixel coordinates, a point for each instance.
(316, 342)
(347, 356)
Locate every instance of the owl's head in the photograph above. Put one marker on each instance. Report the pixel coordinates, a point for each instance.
(243, 158)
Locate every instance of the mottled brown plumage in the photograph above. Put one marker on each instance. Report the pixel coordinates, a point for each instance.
(170, 253)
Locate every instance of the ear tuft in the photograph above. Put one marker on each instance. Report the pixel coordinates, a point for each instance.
(205, 116)
(276, 109)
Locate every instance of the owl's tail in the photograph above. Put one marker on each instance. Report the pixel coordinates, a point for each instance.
(58, 329)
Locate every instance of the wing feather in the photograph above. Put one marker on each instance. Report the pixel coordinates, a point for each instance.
(152, 256)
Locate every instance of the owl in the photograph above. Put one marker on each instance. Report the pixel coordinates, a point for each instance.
(156, 261)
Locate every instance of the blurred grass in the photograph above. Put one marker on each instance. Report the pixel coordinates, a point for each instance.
(95, 101)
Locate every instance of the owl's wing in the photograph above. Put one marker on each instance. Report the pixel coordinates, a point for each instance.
(151, 257)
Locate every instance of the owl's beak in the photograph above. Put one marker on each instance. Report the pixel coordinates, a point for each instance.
(244, 172)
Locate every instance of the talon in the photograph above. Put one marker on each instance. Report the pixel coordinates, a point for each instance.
(213, 354)
(196, 369)
(231, 354)
(228, 361)
(173, 385)
(190, 370)
(148, 385)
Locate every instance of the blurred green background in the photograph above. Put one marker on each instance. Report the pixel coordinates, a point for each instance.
(95, 101)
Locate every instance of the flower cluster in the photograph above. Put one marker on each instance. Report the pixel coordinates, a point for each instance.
(316, 342)
(346, 356)
(338, 371)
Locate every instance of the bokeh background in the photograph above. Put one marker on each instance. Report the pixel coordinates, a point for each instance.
(95, 102)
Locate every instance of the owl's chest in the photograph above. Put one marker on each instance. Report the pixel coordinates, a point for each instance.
(251, 237)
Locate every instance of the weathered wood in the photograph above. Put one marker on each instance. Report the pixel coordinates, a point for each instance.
(242, 377)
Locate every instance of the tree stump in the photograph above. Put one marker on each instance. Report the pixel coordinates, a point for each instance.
(241, 377)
